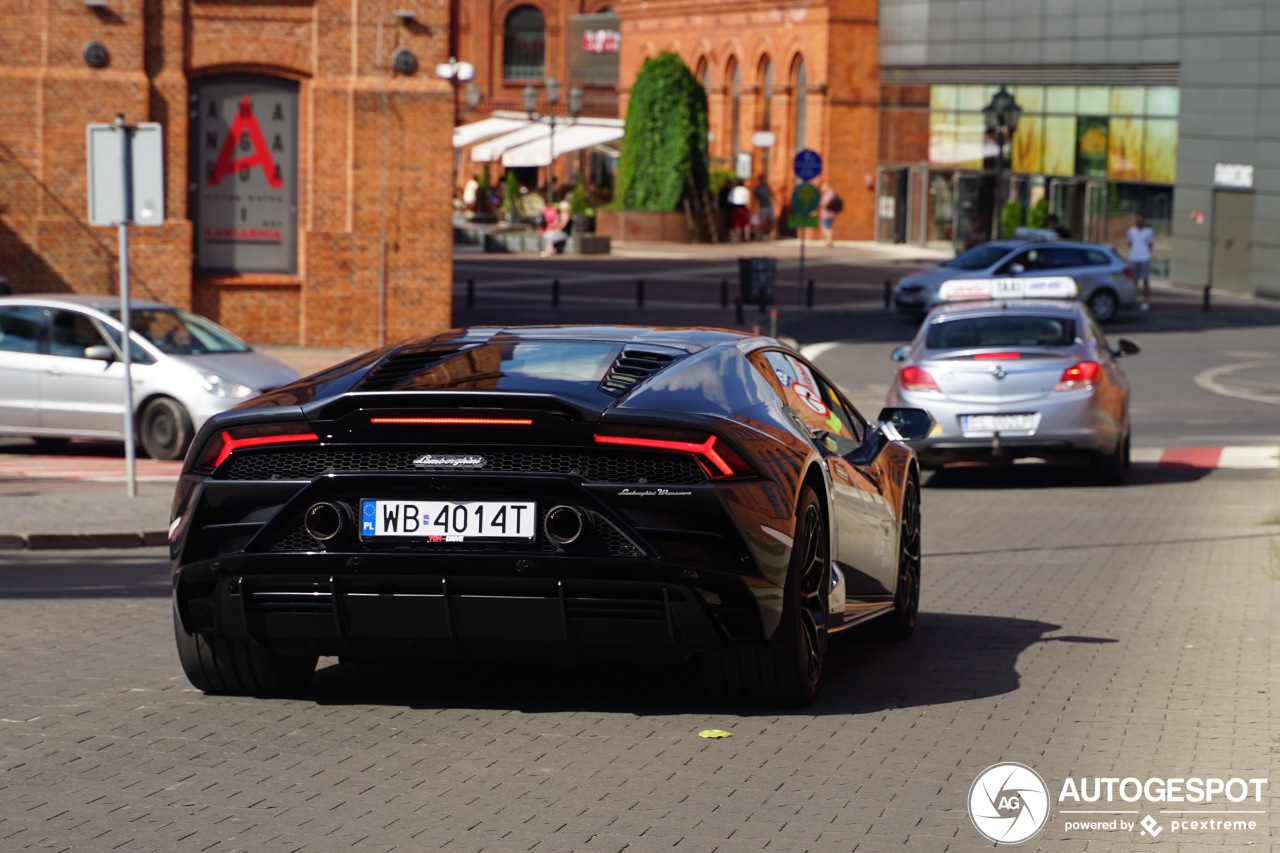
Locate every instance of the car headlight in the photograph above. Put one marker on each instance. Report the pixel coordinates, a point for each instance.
(219, 387)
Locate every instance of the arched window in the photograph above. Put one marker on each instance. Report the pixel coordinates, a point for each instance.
(703, 74)
(766, 94)
(800, 86)
(524, 42)
(735, 109)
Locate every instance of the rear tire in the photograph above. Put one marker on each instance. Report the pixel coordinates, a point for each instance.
(223, 666)
(164, 429)
(787, 668)
(901, 621)
(1104, 305)
(1110, 469)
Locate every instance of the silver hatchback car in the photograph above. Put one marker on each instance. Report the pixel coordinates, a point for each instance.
(1017, 378)
(1105, 280)
(62, 375)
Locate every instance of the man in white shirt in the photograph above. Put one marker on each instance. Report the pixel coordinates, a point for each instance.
(1141, 239)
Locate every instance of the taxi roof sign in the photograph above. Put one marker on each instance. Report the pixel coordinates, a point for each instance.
(1026, 287)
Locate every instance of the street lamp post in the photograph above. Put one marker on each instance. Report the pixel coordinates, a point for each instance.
(1001, 118)
(552, 87)
(459, 74)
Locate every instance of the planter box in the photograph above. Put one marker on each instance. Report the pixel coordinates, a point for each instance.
(643, 225)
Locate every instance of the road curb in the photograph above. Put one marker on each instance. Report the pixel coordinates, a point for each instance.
(77, 541)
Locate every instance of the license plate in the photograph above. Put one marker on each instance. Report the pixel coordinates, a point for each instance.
(448, 521)
(999, 423)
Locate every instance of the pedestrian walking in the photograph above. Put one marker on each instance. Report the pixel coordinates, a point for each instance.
(739, 212)
(829, 204)
(1141, 239)
(766, 217)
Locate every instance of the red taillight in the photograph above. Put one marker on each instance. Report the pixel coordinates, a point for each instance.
(1081, 375)
(717, 458)
(996, 356)
(223, 444)
(1128, 271)
(454, 421)
(912, 378)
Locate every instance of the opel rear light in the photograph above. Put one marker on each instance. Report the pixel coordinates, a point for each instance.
(1080, 375)
(225, 442)
(717, 458)
(913, 378)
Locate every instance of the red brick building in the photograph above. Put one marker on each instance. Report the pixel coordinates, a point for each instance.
(805, 70)
(307, 188)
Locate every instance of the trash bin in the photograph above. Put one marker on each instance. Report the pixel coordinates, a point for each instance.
(757, 276)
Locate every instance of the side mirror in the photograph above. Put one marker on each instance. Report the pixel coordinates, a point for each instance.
(100, 352)
(900, 353)
(1127, 347)
(906, 424)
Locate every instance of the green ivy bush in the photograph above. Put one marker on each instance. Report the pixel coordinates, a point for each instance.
(1010, 218)
(665, 140)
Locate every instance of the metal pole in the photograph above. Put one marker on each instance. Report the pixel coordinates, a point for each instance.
(551, 162)
(126, 170)
(801, 280)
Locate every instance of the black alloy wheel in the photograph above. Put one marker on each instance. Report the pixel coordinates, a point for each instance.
(164, 430)
(230, 667)
(901, 622)
(1104, 304)
(787, 668)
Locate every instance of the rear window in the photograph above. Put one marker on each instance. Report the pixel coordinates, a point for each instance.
(1001, 331)
(977, 258)
(510, 366)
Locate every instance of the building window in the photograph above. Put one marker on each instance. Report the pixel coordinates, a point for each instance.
(801, 84)
(524, 43)
(703, 74)
(244, 155)
(766, 94)
(735, 110)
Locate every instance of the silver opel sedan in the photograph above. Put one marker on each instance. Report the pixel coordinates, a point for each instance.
(1009, 379)
(1105, 280)
(62, 375)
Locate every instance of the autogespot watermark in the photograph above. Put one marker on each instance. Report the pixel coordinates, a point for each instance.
(1009, 803)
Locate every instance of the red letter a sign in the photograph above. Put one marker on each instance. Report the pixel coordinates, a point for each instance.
(245, 125)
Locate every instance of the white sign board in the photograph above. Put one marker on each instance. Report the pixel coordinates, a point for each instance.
(107, 197)
(1030, 287)
(763, 139)
(1233, 175)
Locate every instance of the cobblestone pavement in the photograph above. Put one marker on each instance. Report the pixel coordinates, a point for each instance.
(1082, 631)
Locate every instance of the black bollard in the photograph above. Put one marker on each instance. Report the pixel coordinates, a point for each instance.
(640, 293)
(724, 293)
(471, 293)
(1207, 288)
(888, 293)
(808, 297)
(555, 293)
(737, 307)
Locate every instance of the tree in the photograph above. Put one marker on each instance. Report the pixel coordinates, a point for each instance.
(664, 145)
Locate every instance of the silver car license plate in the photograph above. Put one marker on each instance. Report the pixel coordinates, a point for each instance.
(1000, 423)
(448, 521)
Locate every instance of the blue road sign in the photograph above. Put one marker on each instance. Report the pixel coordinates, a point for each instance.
(807, 165)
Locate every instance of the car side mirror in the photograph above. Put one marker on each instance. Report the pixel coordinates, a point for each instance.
(900, 353)
(906, 424)
(100, 352)
(1127, 347)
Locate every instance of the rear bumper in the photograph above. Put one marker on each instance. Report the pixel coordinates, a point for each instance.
(388, 607)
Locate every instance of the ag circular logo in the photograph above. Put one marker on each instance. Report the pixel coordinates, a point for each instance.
(1008, 803)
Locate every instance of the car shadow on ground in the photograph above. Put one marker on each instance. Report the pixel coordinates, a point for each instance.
(1043, 475)
(952, 657)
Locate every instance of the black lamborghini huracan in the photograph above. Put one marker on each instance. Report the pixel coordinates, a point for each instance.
(542, 493)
